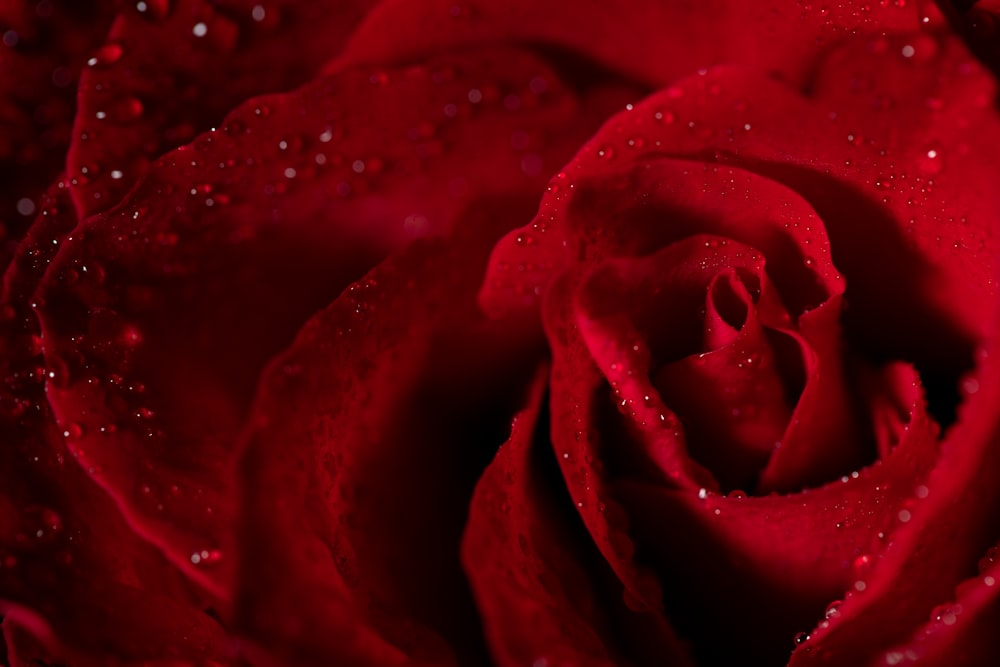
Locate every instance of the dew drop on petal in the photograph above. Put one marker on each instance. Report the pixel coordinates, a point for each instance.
(25, 206)
(930, 161)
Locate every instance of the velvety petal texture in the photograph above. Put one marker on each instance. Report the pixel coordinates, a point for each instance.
(168, 71)
(77, 583)
(656, 42)
(43, 46)
(699, 158)
(147, 308)
(438, 333)
(532, 568)
(350, 522)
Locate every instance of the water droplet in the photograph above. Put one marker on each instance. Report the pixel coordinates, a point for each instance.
(206, 556)
(946, 614)
(833, 609)
(606, 152)
(930, 161)
(25, 206)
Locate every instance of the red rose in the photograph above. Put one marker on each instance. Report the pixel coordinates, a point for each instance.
(258, 394)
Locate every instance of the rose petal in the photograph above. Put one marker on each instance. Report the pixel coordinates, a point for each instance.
(364, 447)
(591, 216)
(942, 269)
(828, 433)
(44, 47)
(653, 41)
(960, 633)
(798, 551)
(795, 554)
(889, 193)
(641, 321)
(977, 22)
(536, 600)
(579, 405)
(582, 438)
(76, 585)
(533, 574)
(159, 314)
(937, 544)
(733, 204)
(170, 71)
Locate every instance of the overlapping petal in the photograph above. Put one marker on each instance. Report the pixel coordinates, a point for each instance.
(656, 42)
(533, 569)
(159, 314)
(169, 70)
(737, 218)
(77, 584)
(351, 521)
(44, 46)
(873, 179)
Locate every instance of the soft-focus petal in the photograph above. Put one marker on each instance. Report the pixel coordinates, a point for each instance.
(364, 446)
(654, 41)
(876, 178)
(159, 314)
(75, 583)
(961, 633)
(44, 45)
(533, 569)
(172, 70)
